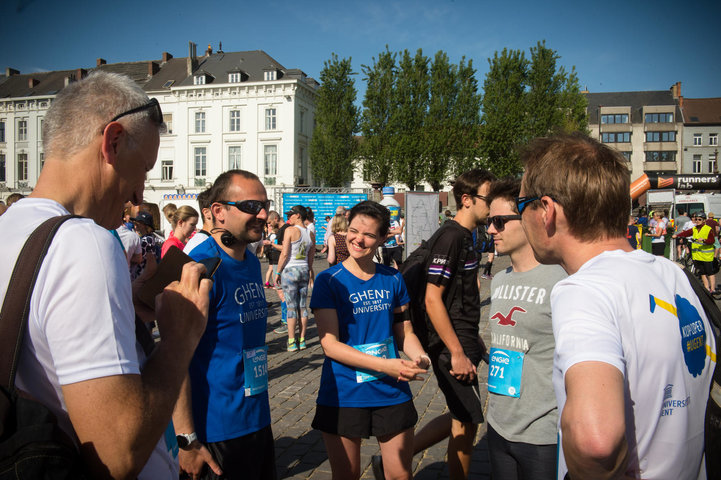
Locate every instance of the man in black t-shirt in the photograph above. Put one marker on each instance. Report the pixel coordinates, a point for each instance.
(454, 347)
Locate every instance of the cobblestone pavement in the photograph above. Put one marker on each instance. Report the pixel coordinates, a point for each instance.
(294, 378)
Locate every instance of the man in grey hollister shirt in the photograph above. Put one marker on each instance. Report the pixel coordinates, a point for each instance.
(522, 414)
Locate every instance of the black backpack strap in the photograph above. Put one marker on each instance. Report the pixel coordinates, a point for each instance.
(16, 305)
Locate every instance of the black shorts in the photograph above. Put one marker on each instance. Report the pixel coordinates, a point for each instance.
(392, 253)
(463, 398)
(681, 241)
(357, 422)
(704, 268)
(658, 248)
(251, 456)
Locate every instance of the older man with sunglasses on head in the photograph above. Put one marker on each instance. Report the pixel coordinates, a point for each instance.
(79, 356)
(522, 413)
(223, 415)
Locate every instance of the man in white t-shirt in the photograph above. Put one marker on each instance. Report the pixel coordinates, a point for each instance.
(80, 356)
(634, 352)
(202, 234)
(131, 244)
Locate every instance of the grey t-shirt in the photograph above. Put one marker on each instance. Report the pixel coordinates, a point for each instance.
(520, 321)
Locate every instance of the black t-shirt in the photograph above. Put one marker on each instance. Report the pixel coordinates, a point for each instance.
(448, 251)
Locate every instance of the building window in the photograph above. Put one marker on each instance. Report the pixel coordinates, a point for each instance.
(270, 118)
(618, 137)
(22, 130)
(660, 136)
(711, 166)
(168, 121)
(234, 157)
(22, 167)
(199, 80)
(627, 156)
(697, 139)
(661, 157)
(271, 163)
(199, 122)
(270, 75)
(659, 118)
(234, 77)
(166, 169)
(2, 131)
(42, 160)
(712, 139)
(697, 164)
(616, 118)
(2, 167)
(301, 122)
(235, 120)
(200, 164)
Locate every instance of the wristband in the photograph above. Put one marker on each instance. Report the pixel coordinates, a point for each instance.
(426, 357)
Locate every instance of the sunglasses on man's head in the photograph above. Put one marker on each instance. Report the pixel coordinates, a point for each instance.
(251, 207)
(499, 221)
(155, 112)
(523, 202)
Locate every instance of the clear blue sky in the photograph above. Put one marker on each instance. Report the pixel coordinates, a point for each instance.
(614, 45)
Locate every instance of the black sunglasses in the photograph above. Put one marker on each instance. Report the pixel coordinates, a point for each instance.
(252, 207)
(522, 202)
(499, 221)
(156, 114)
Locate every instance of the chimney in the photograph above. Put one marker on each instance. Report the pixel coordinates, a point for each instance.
(676, 89)
(9, 72)
(68, 79)
(166, 56)
(153, 68)
(80, 74)
(192, 61)
(100, 61)
(32, 82)
(209, 51)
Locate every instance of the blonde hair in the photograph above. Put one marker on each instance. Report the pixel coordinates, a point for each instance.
(339, 224)
(184, 213)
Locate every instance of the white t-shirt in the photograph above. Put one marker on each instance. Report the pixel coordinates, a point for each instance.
(637, 312)
(196, 240)
(131, 242)
(81, 324)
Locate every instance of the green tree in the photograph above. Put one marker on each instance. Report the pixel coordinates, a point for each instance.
(333, 147)
(411, 94)
(377, 123)
(503, 121)
(467, 117)
(440, 121)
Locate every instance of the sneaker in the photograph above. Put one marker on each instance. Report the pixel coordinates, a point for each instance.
(377, 464)
(292, 347)
(301, 343)
(268, 285)
(282, 329)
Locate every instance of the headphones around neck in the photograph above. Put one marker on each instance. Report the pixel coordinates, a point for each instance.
(226, 238)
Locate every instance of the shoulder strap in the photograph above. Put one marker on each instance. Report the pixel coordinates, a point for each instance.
(16, 305)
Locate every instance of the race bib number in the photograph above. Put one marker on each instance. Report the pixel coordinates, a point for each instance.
(255, 362)
(504, 372)
(382, 349)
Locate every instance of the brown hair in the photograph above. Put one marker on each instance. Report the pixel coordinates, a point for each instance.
(506, 188)
(588, 179)
(184, 213)
(468, 183)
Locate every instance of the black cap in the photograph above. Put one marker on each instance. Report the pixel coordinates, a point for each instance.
(300, 209)
(145, 218)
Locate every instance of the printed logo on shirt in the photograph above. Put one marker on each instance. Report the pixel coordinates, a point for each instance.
(439, 266)
(252, 297)
(669, 404)
(367, 301)
(693, 331)
(520, 293)
(506, 320)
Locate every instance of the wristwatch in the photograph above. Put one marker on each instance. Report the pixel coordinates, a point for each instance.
(186, 439)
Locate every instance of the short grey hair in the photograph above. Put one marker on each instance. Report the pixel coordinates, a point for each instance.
(82, 109)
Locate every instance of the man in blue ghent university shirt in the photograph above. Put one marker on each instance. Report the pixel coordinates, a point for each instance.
(222, 419)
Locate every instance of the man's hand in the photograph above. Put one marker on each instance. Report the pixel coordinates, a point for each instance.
(462, 368)
(182, 308)
(192, 461)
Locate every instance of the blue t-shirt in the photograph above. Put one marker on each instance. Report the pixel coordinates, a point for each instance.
(236, 322)
(365, 316)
